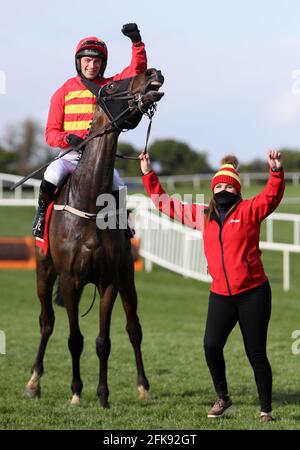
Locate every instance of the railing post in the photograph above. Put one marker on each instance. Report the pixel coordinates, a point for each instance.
(196, 182)
(148, 265)
(286, 270)
(171, 184)
(18, 192)
(36, 191)
(246, 180)
(296, 233)
(269, 229)
(295, 179)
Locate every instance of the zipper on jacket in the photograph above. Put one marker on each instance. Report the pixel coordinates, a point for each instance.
(223, 263)
(217, 219)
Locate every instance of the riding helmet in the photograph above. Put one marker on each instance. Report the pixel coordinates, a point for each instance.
(94, 47)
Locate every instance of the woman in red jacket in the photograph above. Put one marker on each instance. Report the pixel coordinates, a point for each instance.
(240, 291)
(72, 108)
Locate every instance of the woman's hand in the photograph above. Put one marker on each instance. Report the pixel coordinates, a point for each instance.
(145, 163)
(274, 160)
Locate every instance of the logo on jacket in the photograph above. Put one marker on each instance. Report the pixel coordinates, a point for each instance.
(233, 221)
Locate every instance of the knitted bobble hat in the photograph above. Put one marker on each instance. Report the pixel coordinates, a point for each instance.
(227, 173)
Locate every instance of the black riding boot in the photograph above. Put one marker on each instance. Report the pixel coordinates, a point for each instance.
(47, 190)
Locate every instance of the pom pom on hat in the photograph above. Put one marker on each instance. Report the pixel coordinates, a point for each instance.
(230, 159)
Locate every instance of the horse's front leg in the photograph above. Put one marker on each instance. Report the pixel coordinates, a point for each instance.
(71, 294)
(46, 276)
(108, 296)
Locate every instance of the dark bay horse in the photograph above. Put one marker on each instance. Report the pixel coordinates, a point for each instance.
(81, 253)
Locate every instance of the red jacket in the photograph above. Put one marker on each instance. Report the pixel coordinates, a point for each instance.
(232, 250)
(72, 105)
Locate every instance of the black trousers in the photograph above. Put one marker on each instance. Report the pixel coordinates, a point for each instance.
(252, 309)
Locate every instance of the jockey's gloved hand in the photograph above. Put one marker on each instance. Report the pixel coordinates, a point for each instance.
(73, 140)
(131, 30)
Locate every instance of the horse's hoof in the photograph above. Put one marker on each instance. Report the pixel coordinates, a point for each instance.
(75, 400)
(33, 388)
(33, 392)
(143, 393)
(104, 404)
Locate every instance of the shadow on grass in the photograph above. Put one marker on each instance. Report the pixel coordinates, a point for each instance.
(286, 398)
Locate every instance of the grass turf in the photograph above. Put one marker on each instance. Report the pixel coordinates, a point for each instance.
(172, 312)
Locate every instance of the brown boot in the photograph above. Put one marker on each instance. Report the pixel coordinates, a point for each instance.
(219, 408)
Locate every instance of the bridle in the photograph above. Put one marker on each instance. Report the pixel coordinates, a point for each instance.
(127, 95)
(116, 112)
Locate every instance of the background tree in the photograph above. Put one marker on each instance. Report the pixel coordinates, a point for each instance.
(175, 158)
(23, 148)
(8, 161)
(127, 167)
(291, 159)
(257, 165)
(291, 162)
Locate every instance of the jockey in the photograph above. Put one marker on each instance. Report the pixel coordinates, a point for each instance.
(71, 112)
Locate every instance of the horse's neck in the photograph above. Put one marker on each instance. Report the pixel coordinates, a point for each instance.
(94, 173)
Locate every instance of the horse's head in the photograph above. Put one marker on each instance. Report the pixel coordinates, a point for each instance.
(125, 101)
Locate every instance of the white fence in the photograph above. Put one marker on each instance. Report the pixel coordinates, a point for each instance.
(196, 179)
(29, 190)
(170, 181)
(294, 218)
(169, 244)
(180, 249)
(24, 195)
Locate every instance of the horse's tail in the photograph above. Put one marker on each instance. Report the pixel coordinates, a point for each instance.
(58, 299)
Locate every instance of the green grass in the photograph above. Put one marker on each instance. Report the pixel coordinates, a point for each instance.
(172, 312)
(16, 221)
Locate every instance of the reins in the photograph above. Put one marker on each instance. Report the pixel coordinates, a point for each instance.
(150, 113)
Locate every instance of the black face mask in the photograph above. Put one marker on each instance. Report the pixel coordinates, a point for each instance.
(225, 200)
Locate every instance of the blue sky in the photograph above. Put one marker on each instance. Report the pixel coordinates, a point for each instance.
(230, 67)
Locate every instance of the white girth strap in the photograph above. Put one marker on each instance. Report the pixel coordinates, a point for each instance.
(75, 211)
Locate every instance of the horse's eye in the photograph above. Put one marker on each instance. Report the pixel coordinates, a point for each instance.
(110, 86)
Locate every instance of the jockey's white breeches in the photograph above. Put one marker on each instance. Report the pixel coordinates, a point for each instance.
(59, 169)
